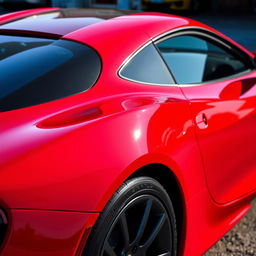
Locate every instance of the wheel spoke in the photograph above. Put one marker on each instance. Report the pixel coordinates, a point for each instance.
(155, 231)
(125, 231)
(109, 250)
(144, 221)
(165, 254)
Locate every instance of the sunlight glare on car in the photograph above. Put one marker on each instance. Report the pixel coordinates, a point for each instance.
(137, 134)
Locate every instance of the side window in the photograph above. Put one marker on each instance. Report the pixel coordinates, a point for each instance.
(147, 66)
(195, 60)
(36, 70)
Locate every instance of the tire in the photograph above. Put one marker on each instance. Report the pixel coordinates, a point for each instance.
(139, 220)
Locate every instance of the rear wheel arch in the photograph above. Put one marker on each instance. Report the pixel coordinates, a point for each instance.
(168, 180)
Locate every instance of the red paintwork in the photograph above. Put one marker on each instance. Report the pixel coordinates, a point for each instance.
(60, 162)
(23, 14)
(37, 232)
(228, 140)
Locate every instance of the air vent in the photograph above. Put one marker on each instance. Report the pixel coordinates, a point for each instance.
(3, 226)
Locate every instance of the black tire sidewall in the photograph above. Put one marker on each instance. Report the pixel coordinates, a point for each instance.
(130, 190)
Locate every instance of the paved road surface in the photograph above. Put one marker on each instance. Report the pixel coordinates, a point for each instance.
(241, 240)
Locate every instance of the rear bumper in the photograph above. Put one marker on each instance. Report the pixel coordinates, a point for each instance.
(51, 233)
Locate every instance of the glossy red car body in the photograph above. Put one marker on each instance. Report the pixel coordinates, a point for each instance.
(59, 165)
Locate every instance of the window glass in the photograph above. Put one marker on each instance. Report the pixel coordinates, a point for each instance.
(147, 66)
(37, 70)
(195, 60)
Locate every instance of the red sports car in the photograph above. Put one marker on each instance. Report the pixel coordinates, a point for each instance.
(122, 135)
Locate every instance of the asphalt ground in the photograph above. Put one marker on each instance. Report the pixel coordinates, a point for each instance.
(241, 240)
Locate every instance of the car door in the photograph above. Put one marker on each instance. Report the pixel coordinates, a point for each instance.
(220, 83)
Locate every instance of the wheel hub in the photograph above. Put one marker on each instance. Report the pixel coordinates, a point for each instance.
(133, 251)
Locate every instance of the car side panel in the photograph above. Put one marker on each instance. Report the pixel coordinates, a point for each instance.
(45, 232)
(78, 166)
(45, 162)
(227, 140)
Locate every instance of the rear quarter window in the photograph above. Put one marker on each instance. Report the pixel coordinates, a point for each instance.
(39, 70)
(147, 67)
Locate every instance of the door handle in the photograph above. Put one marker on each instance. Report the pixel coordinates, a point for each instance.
(202, 121)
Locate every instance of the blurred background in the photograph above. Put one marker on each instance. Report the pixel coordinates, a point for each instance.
(235, 18)
(214, 6)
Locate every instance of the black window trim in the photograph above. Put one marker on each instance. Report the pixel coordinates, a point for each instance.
(211, 36)
(129, 58)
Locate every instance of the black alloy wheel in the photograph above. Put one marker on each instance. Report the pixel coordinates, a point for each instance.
(139, 220)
